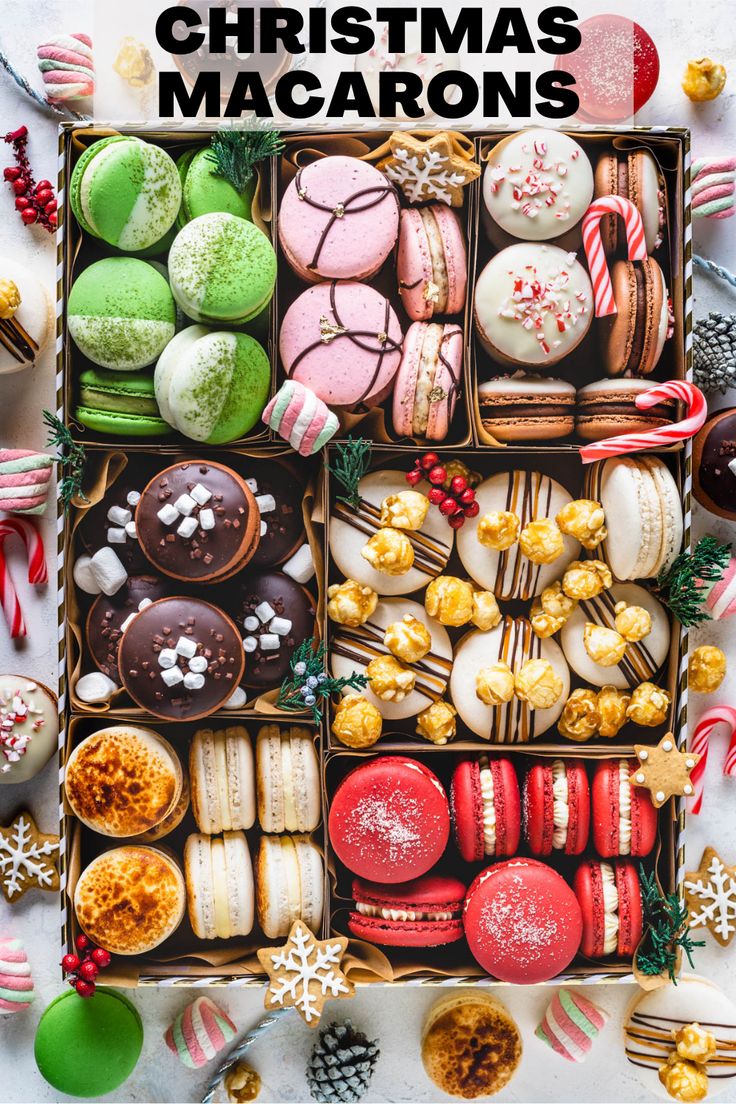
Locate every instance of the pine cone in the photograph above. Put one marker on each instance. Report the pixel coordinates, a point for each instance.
(341, 1064)
(714, 352)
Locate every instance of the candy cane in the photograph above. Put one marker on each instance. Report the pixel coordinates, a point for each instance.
(595, 253)
(699, 743)
(697, 411)
(37, 572)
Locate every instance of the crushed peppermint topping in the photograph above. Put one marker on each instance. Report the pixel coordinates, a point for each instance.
(534, 300)
(542, 185)
(20, 718)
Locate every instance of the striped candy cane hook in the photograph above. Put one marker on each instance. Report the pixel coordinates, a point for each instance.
(37, 572)
(699, 743)
(595, 253)
(682, 390)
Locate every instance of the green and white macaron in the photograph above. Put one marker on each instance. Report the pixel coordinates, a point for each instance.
(222, 269)
(204, 191)
(126, 191)
(121, 313)
(212, 386)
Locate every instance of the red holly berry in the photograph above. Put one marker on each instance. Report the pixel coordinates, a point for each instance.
(429, 460)
(456, 521)
(70, 963)
(85, 988)
(53, 220)
(101, 957)
(44, 196)
(437, 475)
(44, 186)
(448, 506)
(467, 497)
(416, 475)
(29, 216)
(471, 510)
(458, 485)
(89, 970)
(51, 206)
(21, 203)
(11, 173)
(81, 942)
(436, 496)
(20, 187)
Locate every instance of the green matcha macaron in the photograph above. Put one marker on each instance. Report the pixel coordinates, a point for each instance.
(121, 313)
(204, 191)
(222, 269)
(126, 191)
(212, 386)
(88, 1047)
(119, 404)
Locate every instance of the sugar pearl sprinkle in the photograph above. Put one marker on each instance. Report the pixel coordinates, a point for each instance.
(542, 186)
(532, 301)
(20, 718)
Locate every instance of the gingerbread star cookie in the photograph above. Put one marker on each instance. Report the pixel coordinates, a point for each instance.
(430, 170)
(664, 770)
(27, 859)
(305, 973)
(710, 895)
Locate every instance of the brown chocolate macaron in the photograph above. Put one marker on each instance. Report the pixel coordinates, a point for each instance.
(274, 615)
(634, 175)
(608, 407)
(714, 450)
(632, 340)
(198, 521)
(111, 521)
(527, 408)
(279, 490)
(109, 617)
(180, 659)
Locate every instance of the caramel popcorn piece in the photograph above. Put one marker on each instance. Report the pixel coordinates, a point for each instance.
(486, 614)
(541, 541)
(242, 1084)
(390, 680)
(604, 646)
(135, 64)
(350, 603)
(706, 669)
(9, 299)
(544, 624)
(357, 723)
(408, 639)
(695, 1043)
(584, 520)
(390, 552)
(586, 579)
(684, 1080)
(611, 705)
(633, 622)
(498, 530)
(494, 685)
(405, 510)
(537, 683)
(703, 80)
(579, 719)
(437, 723)
(649, 705)
(449, 600)
(556, 603)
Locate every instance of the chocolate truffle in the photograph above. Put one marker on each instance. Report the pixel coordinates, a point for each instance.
(279, 491)
(714, 465)
(180, 659)
(274, 615)
(199, 521)
(108, 618)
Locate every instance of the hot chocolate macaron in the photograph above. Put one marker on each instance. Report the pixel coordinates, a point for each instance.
(429, 381)
(633, 339)
(275, 614)
(526, 408)
(714, 469)
(109, 617)
(431, 264)
(635, 175)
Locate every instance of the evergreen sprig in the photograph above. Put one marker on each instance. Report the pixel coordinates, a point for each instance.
(683, 587)
(309, 683)
(666, 929)
(235, 152)
(71, 458)
(353, 461)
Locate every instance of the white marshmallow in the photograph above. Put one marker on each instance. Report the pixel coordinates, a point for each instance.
(133, 498)
(206, 519)
(119, 516)
(200, 494)
(251, 624)
(237, 699)
(198, 664)
(95, 687)
(281, 626)
(186, 647)
(265, 503)
(300, 567)
(144, 604)
(193, 681)
(269, 642)
(131, 617)
(187, 528)
(108, 571)
(250, 644)
(252, 485)
(264, 612)
(168, 514)
(264, 529)
(185, 505)
(84, 577)
(167, 658)
(116, 536)
(131, 530)
(172, 676)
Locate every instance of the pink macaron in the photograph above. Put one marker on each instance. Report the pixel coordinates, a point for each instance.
(343, 340)
(432, 265)
(338, 220)
(429, 380)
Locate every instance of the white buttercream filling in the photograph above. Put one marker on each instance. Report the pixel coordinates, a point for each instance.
(624, 808)
(401, 914)
(561, 808)
(489, 807)
(610, 907)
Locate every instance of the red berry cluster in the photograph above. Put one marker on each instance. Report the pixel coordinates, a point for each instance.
(35, 202)
(84, 967)
(457, 503)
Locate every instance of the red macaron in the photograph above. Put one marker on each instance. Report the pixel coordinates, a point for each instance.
(624, 819)
(424, 913)
(522, 922)
(389, 820)
(486, 808)
(557, 807)
(609, 895)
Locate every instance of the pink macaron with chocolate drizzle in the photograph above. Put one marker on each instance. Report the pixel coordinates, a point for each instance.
(428, 381)
(431, 265)
(342, 339)
(338, 220)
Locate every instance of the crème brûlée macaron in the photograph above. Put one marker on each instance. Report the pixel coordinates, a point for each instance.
(610, 901)
(608, 408)
(288, 779)
(486, 808)
(119, 404)
(123, 780)
(526, 408)
(714, 470)
(424, 913)
(557, 807)
(632, 340)
(431, 265)
(289, 884)
(634, 175)
(624, 818)
(428, 381)
(457, 1032)
(220, 890)
(222, 779)
(131, 899)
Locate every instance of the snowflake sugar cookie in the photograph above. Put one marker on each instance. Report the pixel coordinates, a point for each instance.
(26, 860)
(305, 973)
(710, 895)
(428, 170)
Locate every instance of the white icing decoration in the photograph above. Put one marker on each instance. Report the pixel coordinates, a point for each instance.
(423, 176)
(718, 897)
(23, 860)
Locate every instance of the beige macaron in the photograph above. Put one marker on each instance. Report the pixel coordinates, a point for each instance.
(130, 899)
(123, 781)
(219, 879)
(222, 780)
(289, 884)
(459, 1029)
(288, 779)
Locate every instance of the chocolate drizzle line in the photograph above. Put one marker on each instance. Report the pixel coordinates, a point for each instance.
(512, 722)
(348, 206)
(638, 664)
(455, 388)
(524, 494)
(361, 645)
(336, 333)
(655, 1034)
(17, 340)
(430, 557)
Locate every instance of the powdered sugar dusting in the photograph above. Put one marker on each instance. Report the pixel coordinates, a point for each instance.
(395, 821)
(522, 920)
